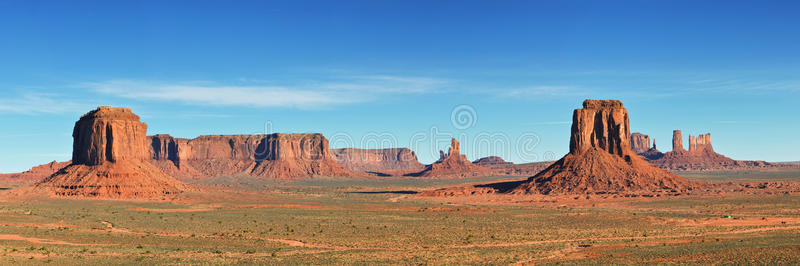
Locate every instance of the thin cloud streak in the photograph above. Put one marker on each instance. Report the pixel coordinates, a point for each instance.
(540, 91)
(252, 96)
(40, 103)
(321, 94)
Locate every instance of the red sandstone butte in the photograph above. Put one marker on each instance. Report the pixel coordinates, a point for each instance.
(600, 159)
(453, 164)
(110, 160)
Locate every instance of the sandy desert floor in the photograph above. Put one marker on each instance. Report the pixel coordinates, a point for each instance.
(383, 221)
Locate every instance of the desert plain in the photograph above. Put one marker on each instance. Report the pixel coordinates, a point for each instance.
(243, 220)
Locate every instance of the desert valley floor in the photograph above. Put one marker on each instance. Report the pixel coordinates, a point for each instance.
(247, 220)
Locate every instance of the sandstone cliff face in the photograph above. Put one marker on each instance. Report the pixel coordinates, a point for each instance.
(452, 164)
(600, 158)
(370, 160)
(640, 142)
(280, 156)
(700, 156)
(291, 156)
(600, 125)
(109, 160)
(108, 134)
(169, 154)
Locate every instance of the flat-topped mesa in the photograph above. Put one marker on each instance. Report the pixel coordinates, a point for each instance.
(108, 134)
(292, 156)
(277, 146)
(677, 141)
(274, 155)
(109, 160)
(601, 124)
(600, 159)
(640, 142)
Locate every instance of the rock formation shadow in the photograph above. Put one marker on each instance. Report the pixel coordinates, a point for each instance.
(503, 187)
(404, 192)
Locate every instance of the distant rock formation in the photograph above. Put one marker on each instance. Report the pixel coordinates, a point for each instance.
(109, 160)
(452, 164)
(640, 142)
(600, 158)
(652, 153)
(369, 160)
(35, 174)
(491, 161)
(523, 169)
(279, 156)
(700, 156)
(501, 167)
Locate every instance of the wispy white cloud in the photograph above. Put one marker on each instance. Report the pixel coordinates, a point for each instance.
(206, 94)
(40, 103)
(540, 91)
(316, 94)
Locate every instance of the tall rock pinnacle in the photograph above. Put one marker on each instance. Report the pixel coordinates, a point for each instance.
(677, 141)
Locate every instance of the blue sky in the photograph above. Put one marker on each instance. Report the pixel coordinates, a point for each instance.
(393, 72)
